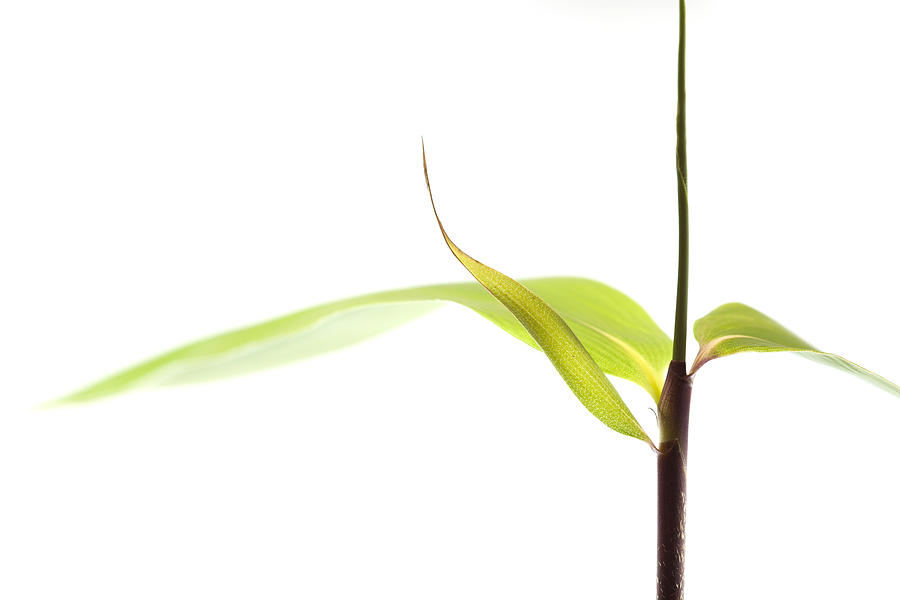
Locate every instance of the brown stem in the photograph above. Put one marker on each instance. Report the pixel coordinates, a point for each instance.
(674, 411)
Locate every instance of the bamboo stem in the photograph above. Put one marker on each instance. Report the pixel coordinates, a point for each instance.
(674, 412)
(675, 400)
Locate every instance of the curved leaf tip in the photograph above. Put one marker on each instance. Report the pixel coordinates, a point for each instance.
(565, 351)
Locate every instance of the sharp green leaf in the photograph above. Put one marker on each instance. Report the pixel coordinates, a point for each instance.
(553, 335)
(733, 328)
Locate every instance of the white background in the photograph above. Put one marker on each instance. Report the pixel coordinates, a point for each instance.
(169, 170)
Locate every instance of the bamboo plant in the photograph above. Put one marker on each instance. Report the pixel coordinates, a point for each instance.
(586, 329)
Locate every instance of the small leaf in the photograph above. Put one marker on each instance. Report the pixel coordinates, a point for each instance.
(555, 338)
(733, 328)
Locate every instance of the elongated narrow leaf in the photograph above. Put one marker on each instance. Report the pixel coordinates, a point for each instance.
(565, 351)
(616, 331)
(733, 328)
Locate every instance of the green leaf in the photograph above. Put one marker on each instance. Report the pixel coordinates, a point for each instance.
(546, 327)
(619, 335)
(614, 330)
(733, 328)
(617, 332)
(279, 341)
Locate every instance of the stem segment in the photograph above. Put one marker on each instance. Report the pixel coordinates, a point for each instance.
(680, 337)
(671, 465)
(675, 401)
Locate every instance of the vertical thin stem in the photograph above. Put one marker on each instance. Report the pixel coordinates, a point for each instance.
(680, 337)
(675, 401)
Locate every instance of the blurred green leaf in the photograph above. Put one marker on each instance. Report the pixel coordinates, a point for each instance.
(616, 331)
(553, 335)
(733, 328)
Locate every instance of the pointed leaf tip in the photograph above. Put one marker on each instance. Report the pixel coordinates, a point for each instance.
(565, 351)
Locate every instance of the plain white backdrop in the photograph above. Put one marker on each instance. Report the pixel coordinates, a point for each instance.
(169, 170)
